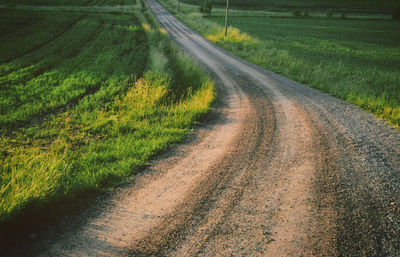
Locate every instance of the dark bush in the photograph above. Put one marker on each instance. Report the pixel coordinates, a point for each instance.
(297, 13)
(343, 16)
(306, 14)
(396, 14)
(329, 14)
(206, 8)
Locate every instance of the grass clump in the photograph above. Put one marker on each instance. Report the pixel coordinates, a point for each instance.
(137, 94)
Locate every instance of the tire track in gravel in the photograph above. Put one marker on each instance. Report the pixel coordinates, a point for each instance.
(291, 152)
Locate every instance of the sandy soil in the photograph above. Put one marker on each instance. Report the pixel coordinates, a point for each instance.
(277, 169)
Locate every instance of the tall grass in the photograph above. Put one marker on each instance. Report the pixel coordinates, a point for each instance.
(353, 59)
(148, 96)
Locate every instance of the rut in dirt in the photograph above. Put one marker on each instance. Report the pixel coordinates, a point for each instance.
(277, 169)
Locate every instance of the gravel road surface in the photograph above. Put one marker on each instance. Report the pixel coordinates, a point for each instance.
(276, 169)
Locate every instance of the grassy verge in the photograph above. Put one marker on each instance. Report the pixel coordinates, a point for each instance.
(357, 60)
(94, 104)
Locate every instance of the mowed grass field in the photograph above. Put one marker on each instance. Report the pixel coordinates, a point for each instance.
(355, 58)
(85, 100)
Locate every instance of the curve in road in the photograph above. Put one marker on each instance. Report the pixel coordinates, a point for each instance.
(279, 169)
(336, 185)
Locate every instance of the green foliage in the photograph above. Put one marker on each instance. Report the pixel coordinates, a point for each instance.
(119, 92)
(396, 13)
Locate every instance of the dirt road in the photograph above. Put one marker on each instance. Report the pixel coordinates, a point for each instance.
(277, 169)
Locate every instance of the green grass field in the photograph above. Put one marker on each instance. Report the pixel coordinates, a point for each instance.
(69, 2)
(268, 4)
(85, 100)
(355, 59)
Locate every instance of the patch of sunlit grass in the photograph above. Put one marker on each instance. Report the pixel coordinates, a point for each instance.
(146, 27)
(234, 35)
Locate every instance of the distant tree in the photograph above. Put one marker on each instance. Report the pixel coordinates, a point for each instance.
(396, 13)
(297, 13)
(206, 8)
